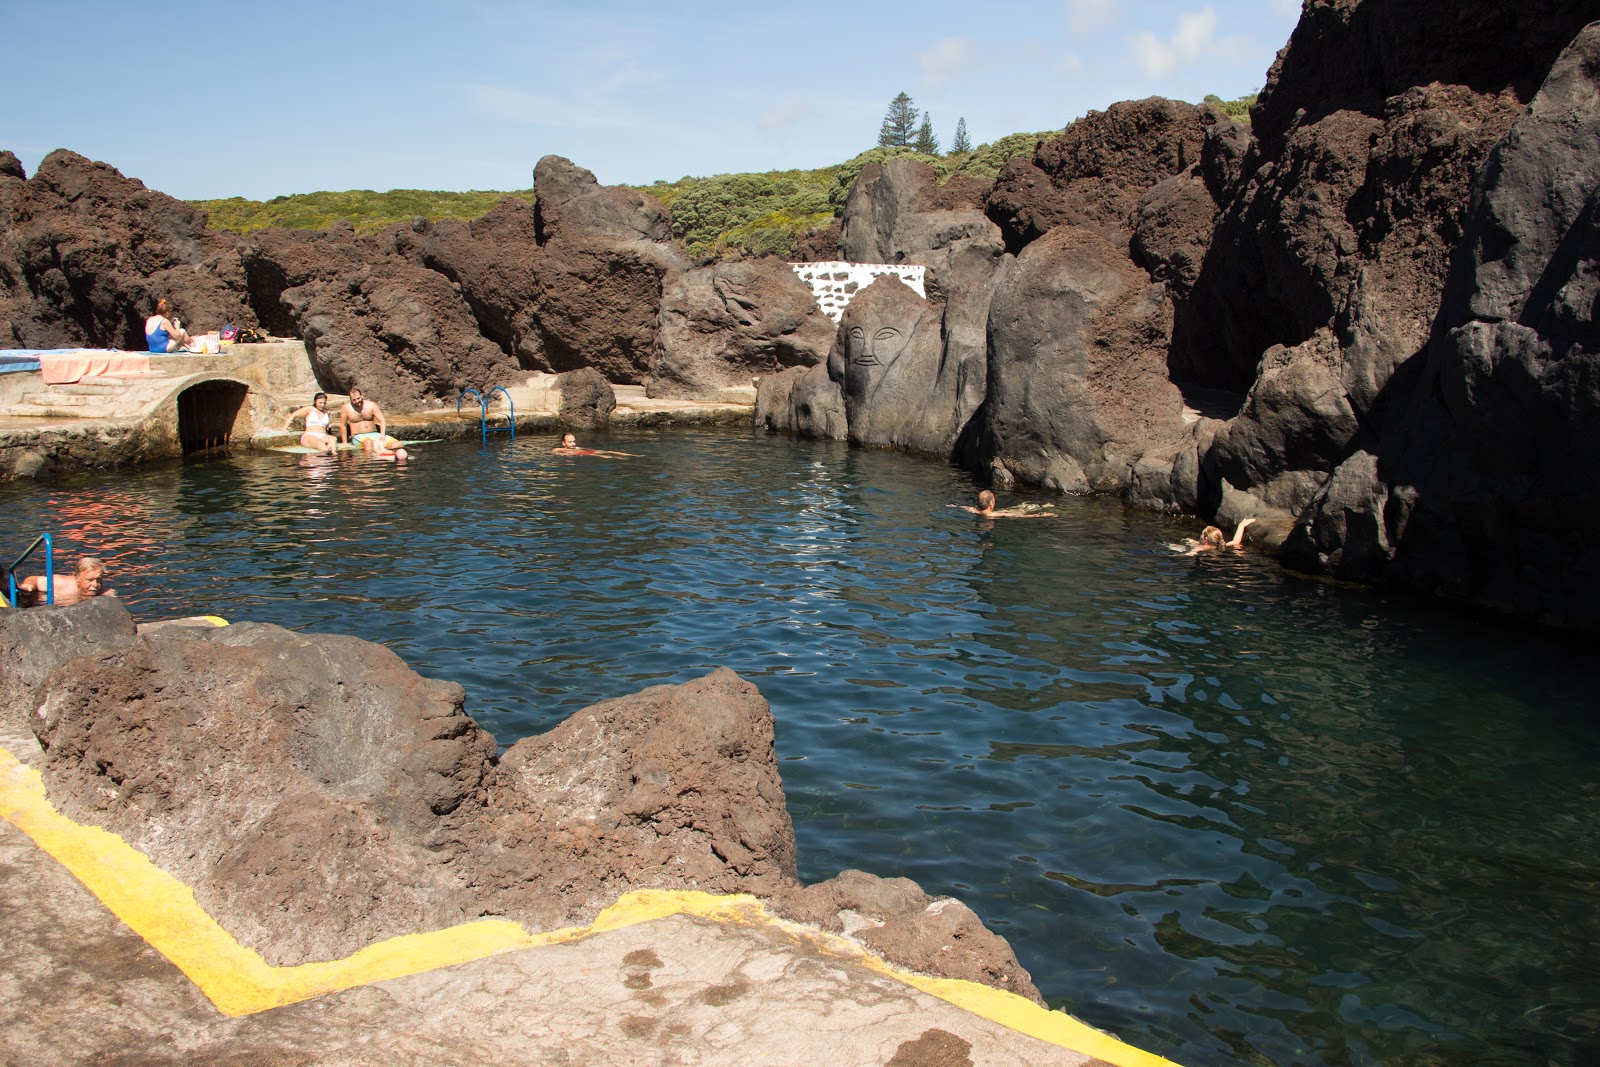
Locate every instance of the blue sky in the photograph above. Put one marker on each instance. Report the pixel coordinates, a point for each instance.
(217, 99)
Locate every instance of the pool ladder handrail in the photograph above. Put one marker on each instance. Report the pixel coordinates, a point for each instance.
(49, 571)
(484, 429)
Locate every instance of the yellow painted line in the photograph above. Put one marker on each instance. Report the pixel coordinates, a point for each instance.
(163, 911)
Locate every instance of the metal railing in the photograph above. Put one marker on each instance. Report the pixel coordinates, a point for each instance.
(49, 570)
(484, 428)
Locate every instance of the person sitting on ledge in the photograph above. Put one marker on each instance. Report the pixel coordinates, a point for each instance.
(317, 418)
(85, 581)
(1211, 540)
(987, 509)
(360, 416)
(164, 334)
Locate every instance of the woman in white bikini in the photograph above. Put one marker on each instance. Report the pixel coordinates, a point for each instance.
(317, 418)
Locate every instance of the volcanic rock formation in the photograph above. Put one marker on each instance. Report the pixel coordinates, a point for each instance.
(318, 795)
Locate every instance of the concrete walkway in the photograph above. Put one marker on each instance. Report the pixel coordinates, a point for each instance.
(669, 979)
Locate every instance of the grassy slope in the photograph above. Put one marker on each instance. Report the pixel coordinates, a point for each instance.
(715, 216)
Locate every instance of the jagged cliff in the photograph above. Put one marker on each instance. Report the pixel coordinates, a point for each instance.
(1366, 318)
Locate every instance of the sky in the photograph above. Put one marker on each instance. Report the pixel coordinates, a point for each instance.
(213, 99)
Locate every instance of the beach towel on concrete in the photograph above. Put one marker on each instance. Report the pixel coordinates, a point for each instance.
(72, 366)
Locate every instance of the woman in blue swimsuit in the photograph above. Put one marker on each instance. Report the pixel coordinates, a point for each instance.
(162, 333)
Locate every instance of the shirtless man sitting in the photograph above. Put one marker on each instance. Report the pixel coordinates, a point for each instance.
(360, 416)
(86, 580)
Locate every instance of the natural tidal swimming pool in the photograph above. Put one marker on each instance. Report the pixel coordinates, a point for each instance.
(1223, 812)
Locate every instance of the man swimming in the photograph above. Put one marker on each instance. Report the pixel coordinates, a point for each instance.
(569, 447)
(86, 580)
(987, 509)
(360, 416)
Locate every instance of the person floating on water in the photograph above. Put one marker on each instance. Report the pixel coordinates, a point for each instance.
(986, 508)
(1211, 540)
(359, 417)
(383, 446)
(569, 447)
(317, 420)
(86, 580)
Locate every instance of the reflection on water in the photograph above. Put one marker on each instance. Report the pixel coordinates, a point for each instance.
(1225, 813)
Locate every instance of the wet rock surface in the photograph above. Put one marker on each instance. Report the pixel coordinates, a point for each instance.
(318, 795)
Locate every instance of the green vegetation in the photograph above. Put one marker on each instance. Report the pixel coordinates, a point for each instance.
(722, 215)
(1237, 110)
(364, 209)
(899, 123)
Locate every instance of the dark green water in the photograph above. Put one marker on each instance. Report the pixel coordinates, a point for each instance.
(1224, 813)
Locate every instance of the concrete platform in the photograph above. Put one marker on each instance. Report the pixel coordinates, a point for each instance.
(661, 979)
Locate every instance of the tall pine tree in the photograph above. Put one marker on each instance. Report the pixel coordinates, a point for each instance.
(926, 142)
(962, 142)
(899, 125)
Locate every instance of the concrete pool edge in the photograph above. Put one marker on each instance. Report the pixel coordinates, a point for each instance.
(163, 912)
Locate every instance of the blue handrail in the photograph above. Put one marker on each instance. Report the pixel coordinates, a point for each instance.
(49, 570)
(484, 429)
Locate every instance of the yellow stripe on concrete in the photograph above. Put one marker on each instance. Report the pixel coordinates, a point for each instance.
(163, 911)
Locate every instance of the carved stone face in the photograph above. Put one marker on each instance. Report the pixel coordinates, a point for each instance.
(875, 344)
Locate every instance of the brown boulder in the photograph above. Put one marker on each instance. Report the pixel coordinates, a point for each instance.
(724, 324)
(895, 918)
(85, 253)
(36, 641)
(587, 399)
(898, 212)
(671, 787)
(493, 262)
(1077, 377)
(573, 206)
(1094, 173)
(297, 783)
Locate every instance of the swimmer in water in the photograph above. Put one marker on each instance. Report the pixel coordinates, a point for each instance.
(987, 509)
(569, 447)
(383, 446)
(1211, 540)
(86, 580)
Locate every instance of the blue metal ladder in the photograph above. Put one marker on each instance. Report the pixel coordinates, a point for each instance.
(483, 412)
(10, 599)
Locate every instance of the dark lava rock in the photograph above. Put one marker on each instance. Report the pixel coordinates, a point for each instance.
(1483, 484)
(725, 324)
(1077, 386)
(897, 388)
(587, 399)
(318, 795)
(572, 205)
(297, 783)
(85, 253)
(820, 245)
(599, 306)
(802, 401)
(1093, 174)
(493, 262)
(35, 641)
(898, 213)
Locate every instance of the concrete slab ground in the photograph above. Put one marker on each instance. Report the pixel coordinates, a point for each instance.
(670, 979)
